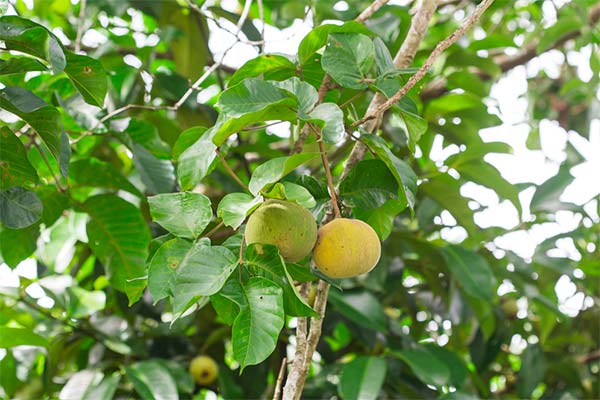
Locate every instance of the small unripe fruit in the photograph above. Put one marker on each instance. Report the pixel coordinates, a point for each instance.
(346, 248)
(204, 370)
(289, 226)
(509, 307)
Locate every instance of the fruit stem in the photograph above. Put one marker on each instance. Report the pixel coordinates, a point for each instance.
(332, 192)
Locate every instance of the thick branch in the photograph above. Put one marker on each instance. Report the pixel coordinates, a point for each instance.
(403, 59)
(443, 45)
(438, 87)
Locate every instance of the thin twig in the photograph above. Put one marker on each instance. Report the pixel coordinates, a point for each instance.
(443, 45)
(332, 191)
(230, 172)
(369, 11)
(279, 382)
(213, 230)
(80, 25)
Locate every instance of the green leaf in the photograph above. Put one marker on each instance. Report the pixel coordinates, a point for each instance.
(195, 162)
(330, 118)
(487, 175)
(360, 307)
(235, 207)
(42, 118)
(15, 168)
(119, 237)
(8, 374)
(266, 65)
(383, 58)
(163, 267)
(451, 103)
(90, 385)
(414, 125)
(405, 176)
(299, 194)
(266, 260)
(19, 207)
(203, 271)
(370, 184)
(362, 378)
(89, 78)
(546, 196)
(317, 38)
(11, 337)
(184, 214)
(381, 219)
(252, 101)
(456, 366)
(471, 272)
(305, 93)
(152, 380)
(20, 65)
(256, 328)
(533, 370)
(95, 173)
(186, 139)
(28, 37)
(348, 58)
(18, 244)
(445, 190)
(275, 169)
(562, 27)
(83, 303)
(158, 175)
(428, 368)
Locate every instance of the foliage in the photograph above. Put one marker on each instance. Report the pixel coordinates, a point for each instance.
(123, 200)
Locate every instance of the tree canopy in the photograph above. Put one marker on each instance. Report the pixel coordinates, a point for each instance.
(137, 137)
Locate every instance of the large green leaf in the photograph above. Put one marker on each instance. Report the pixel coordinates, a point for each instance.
(20, 65)
(28, 37)
(18, 244)
(348, 58)
(305, 93)
(360, 307)
(19, 207)
(269, 263)
(89, 385)
(370, 184)
(11, 337)
(330, 118)
(162, 269)
(252, 101)
(119, 237)
(89, 78)
(266, 65)
(261, 317)
(202, 272)
(8, 374)
(15, 168)
(533, 369)
(43, 119)
(445, 190)
(157, 174)
(95, 173)
(235, 207)
(426, 366)
(275, 169)
(317, 38)
(471, 272)
(362, 378)
(485, 174)
(381, 219)
(184, 214)
(195, 162)
(405, 176)
(152, 380)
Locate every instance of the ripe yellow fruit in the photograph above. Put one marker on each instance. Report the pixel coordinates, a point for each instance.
(289, 226)
(346, 248)
(204, 370)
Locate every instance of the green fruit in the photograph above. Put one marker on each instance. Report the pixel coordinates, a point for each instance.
(204, 370)
(346, 248)
(289, 226)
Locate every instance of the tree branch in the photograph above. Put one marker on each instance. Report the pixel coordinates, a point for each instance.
(403, 59)
(80, 23)
(438, 86)
(443, 45)
(230, 172)
(279, 382)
